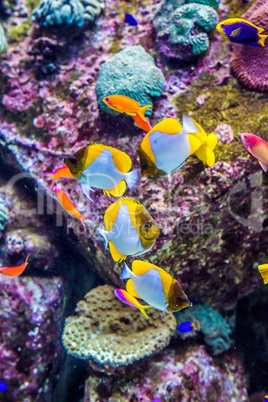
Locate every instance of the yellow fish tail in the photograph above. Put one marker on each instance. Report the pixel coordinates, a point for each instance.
(143, 312)
(142, 110)
(206, 155)
(262, 39)
(211, 141)
(263, 270)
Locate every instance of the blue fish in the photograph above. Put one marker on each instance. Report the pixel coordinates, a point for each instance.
(129, 19)
(241, 31)
(265, 398)
(3, 386)
(186, 326)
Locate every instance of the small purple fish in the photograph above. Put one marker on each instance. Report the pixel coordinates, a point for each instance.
(129, 19)
(186, 326)
(237, 30)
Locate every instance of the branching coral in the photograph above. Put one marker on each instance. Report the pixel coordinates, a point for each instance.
(248, 63)
(182, 28)
(66, 12)
(133, 73)
(211, 324)
(113, 334)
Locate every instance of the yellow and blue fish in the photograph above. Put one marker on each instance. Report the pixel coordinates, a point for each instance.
(102, 167)
(129, 19)
(155, 286)
(166, 147)
(130, 300)
(130, 229)
(237, 30)
(186, 326)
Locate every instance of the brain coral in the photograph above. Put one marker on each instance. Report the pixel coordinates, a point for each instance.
(131, 72)
(249, 64)
(182, 28)
(111, 333)
(66, 12)
(211, 324)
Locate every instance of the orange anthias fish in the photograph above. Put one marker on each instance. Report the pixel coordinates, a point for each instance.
(67, 204)
(143, 124)
(257, 148)
(60, 173)
(14, 271)
(124, 104)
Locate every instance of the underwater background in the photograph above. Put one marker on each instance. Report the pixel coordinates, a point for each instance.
(64, 336)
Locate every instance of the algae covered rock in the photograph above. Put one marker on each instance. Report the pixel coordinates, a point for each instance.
(211, 324)
(182, 28)
(133, 73)
(66, 12)
(111, 333)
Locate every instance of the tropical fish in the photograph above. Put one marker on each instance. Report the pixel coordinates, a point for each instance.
(265, 398)
(129, 19)
(127, 298)
(257, 148)
(14, 271)
(143, 124)
(186, 326)
(263, 270)
(67, 204)
(103, 167)
(3, 386)
(241, 31)
(166, 147)
(124, 104)
(60, 173)
(155, 286)
(130, 229)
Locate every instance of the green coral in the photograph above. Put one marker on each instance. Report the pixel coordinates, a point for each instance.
(133, 73)
(182, 28)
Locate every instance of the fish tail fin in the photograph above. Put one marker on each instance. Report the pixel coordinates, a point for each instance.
(122, 16)
(206, 155)
(103, 233)
(126, 273)
(211, 141)
(26, 261)
(82, 221)
(144, 312)
(263, 270)
(142, 110)
(132, 178)
(262, 39)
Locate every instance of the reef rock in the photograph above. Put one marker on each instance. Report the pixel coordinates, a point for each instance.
(113, 335)
(31, 316)
(66, 12)
(210, 324)
(182, 28)
(249, 64)
(176, 375)
(133, 73)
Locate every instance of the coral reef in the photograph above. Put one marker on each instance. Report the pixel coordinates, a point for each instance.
(182, 28)
(185, 374)
(31, 316)
(211, 324)
(131, 72)
(111, 333)
(66, 12)
(250, 64)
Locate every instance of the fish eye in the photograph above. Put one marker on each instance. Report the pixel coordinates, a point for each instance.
(148, 225)
(144, 167)
(180, 299)
(73, 160)
(107, 99)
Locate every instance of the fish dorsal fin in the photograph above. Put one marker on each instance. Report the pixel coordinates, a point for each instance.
(142, 267)
(131, 288)
(115, 253)
(211, 141)
(118, 190)
(205, 154)
(168, 126)
(93, 150)
(121, 160)
(192, 127)
(235, 32)
(195, 143)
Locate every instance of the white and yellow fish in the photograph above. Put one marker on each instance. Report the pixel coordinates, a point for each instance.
(102, 167)
(155, 286)
(130, 229)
